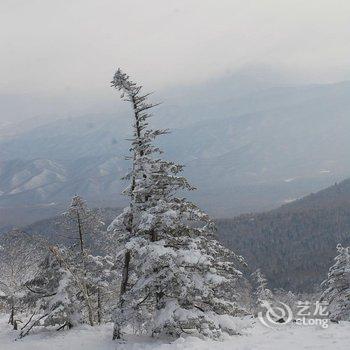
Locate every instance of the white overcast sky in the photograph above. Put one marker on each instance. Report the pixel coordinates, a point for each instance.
(53, 47)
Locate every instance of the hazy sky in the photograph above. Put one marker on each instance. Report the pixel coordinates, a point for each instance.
(71, 47)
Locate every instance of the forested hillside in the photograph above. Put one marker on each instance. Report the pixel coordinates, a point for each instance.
(295, 244)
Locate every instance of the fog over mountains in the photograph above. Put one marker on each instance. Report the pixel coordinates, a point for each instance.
(247, 146)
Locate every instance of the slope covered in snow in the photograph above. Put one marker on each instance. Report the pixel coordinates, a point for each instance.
(257, 337)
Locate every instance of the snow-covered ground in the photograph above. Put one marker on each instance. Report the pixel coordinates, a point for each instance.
(257, 337)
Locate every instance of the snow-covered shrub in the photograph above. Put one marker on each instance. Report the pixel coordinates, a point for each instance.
(20, 255)
(53, 296)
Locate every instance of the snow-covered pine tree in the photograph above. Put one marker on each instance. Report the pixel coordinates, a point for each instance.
(72, 281)
(93, 274)
(336, 288)
(262, 292)
(126, 223)
(82, 224)
(177, 278)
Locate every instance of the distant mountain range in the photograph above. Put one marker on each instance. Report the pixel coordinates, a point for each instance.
(247, 149)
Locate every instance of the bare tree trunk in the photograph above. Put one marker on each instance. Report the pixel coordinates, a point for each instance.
(12, 314)
(125, 277)
(127, 256)
(30, 319)
(116, 332)
(82, 250)
(81, 239)
(91, 317)
(25, 332)
(99, 306)
(11, 317)
(124, 283)
(154, 236)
